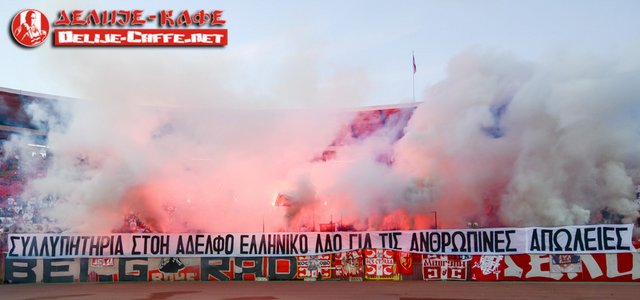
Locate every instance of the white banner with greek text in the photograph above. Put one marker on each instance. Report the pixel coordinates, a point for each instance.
(532, 240)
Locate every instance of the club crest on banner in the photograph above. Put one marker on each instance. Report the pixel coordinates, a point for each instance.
(489, 264)
(566, 263)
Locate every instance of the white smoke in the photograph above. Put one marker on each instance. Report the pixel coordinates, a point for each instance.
(499, 141)
(182, 143)
(564, 150)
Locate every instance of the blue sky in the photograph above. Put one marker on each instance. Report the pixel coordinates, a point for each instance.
(368, 40)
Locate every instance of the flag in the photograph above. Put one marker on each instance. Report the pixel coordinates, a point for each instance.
(282, 200)
(405, 262)
(414, 63)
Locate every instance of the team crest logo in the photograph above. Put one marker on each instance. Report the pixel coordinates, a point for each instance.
(171, 265)
(566, 263)
(30, 27)
(489, 264)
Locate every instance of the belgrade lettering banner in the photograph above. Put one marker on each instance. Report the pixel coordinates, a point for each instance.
(531, 240)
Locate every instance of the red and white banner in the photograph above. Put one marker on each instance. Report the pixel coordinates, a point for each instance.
(349, 265)
(532, 267)
(380, 264)
(444, 267)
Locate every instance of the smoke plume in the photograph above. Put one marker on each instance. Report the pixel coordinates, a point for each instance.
(501, 141)
(518, 143)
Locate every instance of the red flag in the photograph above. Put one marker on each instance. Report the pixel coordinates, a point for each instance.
(405, 262)
(414, 63)
(282, 200)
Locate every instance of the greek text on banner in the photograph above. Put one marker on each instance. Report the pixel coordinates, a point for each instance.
(532, 240)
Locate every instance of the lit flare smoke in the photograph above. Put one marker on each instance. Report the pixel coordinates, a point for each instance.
(499, 141)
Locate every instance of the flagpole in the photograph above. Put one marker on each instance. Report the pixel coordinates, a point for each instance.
(413, 72)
